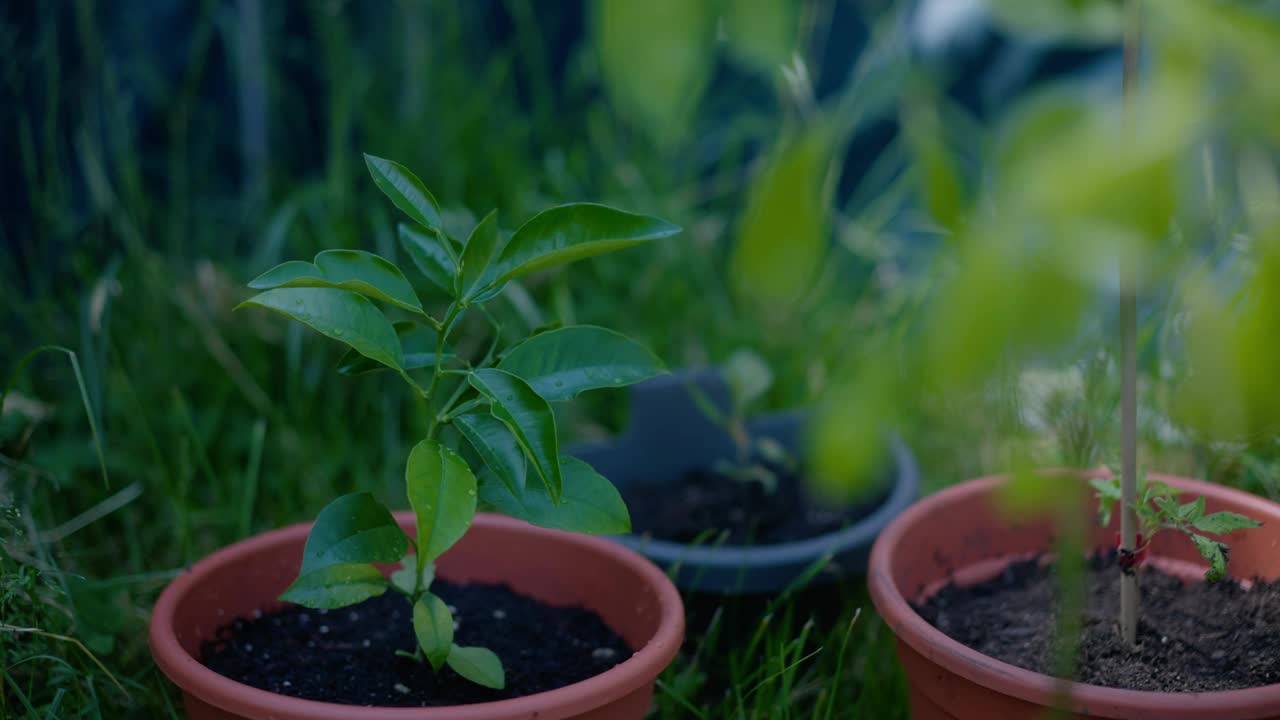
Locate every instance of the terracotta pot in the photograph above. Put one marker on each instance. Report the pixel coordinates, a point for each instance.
(629, 593)
(959, 534)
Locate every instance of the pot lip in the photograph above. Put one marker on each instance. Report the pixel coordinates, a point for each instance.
(1034, 687)
(905, 489)
(192, 677)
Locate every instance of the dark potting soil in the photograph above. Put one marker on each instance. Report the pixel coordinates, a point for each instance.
(1193, 637)
(708, 503)
(348, 655)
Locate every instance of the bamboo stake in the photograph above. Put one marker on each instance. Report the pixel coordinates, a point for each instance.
(1129, 370)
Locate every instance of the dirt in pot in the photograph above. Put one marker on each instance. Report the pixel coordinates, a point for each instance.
(1194, 637)
(348, 655)
(709, 503)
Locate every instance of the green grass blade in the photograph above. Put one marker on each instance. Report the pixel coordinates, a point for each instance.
(84, 396)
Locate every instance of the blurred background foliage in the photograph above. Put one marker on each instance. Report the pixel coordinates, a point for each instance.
(911, 211)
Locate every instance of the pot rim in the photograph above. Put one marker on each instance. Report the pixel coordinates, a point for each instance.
(905, 489)
(1027, 685)
(192, 677)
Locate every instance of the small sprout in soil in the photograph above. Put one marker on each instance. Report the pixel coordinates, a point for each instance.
(758, 459)
(505, 456)
(1158, 509)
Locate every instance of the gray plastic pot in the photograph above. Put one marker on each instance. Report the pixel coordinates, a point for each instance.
(669, 435)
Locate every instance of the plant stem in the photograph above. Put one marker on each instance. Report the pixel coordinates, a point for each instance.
(1129, 375)
(454, 311)
(433, 425)
(452, 412)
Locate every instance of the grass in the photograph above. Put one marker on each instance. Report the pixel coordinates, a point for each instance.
(140, 214)
(134, 214)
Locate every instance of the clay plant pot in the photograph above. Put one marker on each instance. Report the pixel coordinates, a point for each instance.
(631, 595)
(958, 534)
(669, 435)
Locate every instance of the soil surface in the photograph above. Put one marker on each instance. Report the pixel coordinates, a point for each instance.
(348, 655)
(1193, 637)
(707, 503)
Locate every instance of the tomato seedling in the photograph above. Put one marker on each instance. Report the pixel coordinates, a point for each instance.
(1158, 509)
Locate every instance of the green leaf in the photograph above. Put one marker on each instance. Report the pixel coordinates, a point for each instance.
(1107, 488)
(418, 347)
(762, 33)
(1224, 522)
(477, 254)
(934, 163)
(749, 378)
(479, 665)
(442, 492)
(433, 625)
(355, 270)
(1108, 492)
(1212, 550)
(432, 253)
(1088, 22)
(590, 503)
(405, 190)
(1168, 507)
(655, 58)
(571, 232)
(354, 528)
(340, 314)
(559, 364)
(782, 235)
(528, 416)
(1193, 511)
(336, 586)
(404, 578)
(497, 446)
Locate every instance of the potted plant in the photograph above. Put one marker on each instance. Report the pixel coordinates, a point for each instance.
(474, 614)
(996, 615)
(717, 492)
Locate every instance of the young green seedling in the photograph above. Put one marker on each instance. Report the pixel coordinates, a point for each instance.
(1158, 509)
(500, 403)
(749, 377)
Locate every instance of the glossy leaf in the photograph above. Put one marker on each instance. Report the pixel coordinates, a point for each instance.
(356, 270)
(432, 254)
(1225, 522)
(782, 233)
(479, 665)
(354, 528)
(559, 364)
(497, 446)
(442, 493)
(479, 251)
(590, 503)
(336, 586)
(405, 190)
(417, 344)
(340, 314)
(571, 232)
(433, 626)
(528, 416)
(405, 577)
